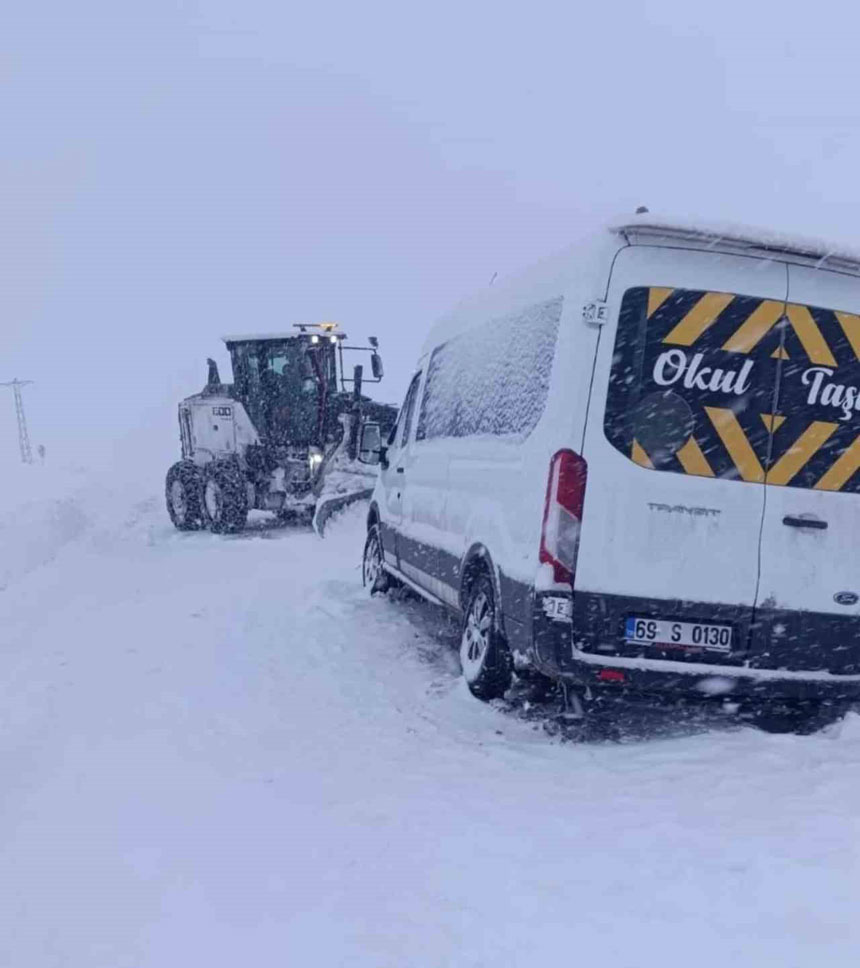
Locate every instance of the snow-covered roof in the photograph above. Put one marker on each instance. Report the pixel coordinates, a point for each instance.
(540, 282)
(555, 274)
(834, 255)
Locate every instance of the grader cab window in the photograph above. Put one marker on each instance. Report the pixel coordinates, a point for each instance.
(283, 384)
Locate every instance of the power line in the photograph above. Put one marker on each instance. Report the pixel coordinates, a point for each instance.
(23, 436)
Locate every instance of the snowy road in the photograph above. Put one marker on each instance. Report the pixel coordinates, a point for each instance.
(218, 752)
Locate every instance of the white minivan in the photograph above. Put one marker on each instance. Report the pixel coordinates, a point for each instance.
(635, 470)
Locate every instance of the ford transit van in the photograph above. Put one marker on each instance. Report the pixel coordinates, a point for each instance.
(635, 470)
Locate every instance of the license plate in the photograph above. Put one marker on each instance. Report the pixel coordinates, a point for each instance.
(678, 635)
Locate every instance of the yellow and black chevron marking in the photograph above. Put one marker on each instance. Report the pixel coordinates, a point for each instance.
(794, 458)
(745, 321)
(737, 437)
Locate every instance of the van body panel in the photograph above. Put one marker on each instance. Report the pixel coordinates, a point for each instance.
(479, 485)
(808, 609)
(423, 474)
(390, 506)
(390, 482)
(492, 481)
(674, 541)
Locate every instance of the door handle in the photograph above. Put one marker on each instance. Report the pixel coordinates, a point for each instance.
(794, 522)
(399, 470)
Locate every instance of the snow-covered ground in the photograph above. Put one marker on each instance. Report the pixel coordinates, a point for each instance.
(218, 751)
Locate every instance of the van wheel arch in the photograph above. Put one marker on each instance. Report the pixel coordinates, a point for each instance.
(485, 656)
(478, 561)
(372, 516)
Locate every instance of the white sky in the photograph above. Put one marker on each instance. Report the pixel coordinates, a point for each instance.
(172, 171)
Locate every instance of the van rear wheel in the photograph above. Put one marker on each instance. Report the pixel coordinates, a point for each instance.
(802, 719)
(484, 654)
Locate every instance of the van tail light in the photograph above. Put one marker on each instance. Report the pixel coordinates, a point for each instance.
(562, 514)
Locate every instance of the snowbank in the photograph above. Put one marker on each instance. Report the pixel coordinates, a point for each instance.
(39, 514)
(219, 751)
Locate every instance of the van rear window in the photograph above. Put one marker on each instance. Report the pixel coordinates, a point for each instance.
(725, 385)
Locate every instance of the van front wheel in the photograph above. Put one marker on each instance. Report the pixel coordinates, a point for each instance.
(484, 654)
(373, 576)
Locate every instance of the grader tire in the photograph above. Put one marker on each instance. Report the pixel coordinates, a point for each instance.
(183, 492)
(225, 498)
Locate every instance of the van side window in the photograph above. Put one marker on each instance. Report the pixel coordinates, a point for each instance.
(409, 408)
(400, 431)
(494, 379)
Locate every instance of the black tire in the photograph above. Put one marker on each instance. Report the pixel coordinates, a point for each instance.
(801, 719)
(538, 686)
(484, 654)
(183, 494)
(224, 498)
(373, 575)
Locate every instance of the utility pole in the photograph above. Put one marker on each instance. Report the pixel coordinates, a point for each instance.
(23, 436)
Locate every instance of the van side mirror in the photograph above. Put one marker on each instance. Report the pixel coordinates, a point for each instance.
(376, 366)
(370, 449)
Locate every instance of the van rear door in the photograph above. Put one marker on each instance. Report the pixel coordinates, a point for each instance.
(808, 610)
(676, 443)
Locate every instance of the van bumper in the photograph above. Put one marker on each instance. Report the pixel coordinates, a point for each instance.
(555, 630)
(704, 681)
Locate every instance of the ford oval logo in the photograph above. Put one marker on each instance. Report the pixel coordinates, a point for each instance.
(846, 598)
